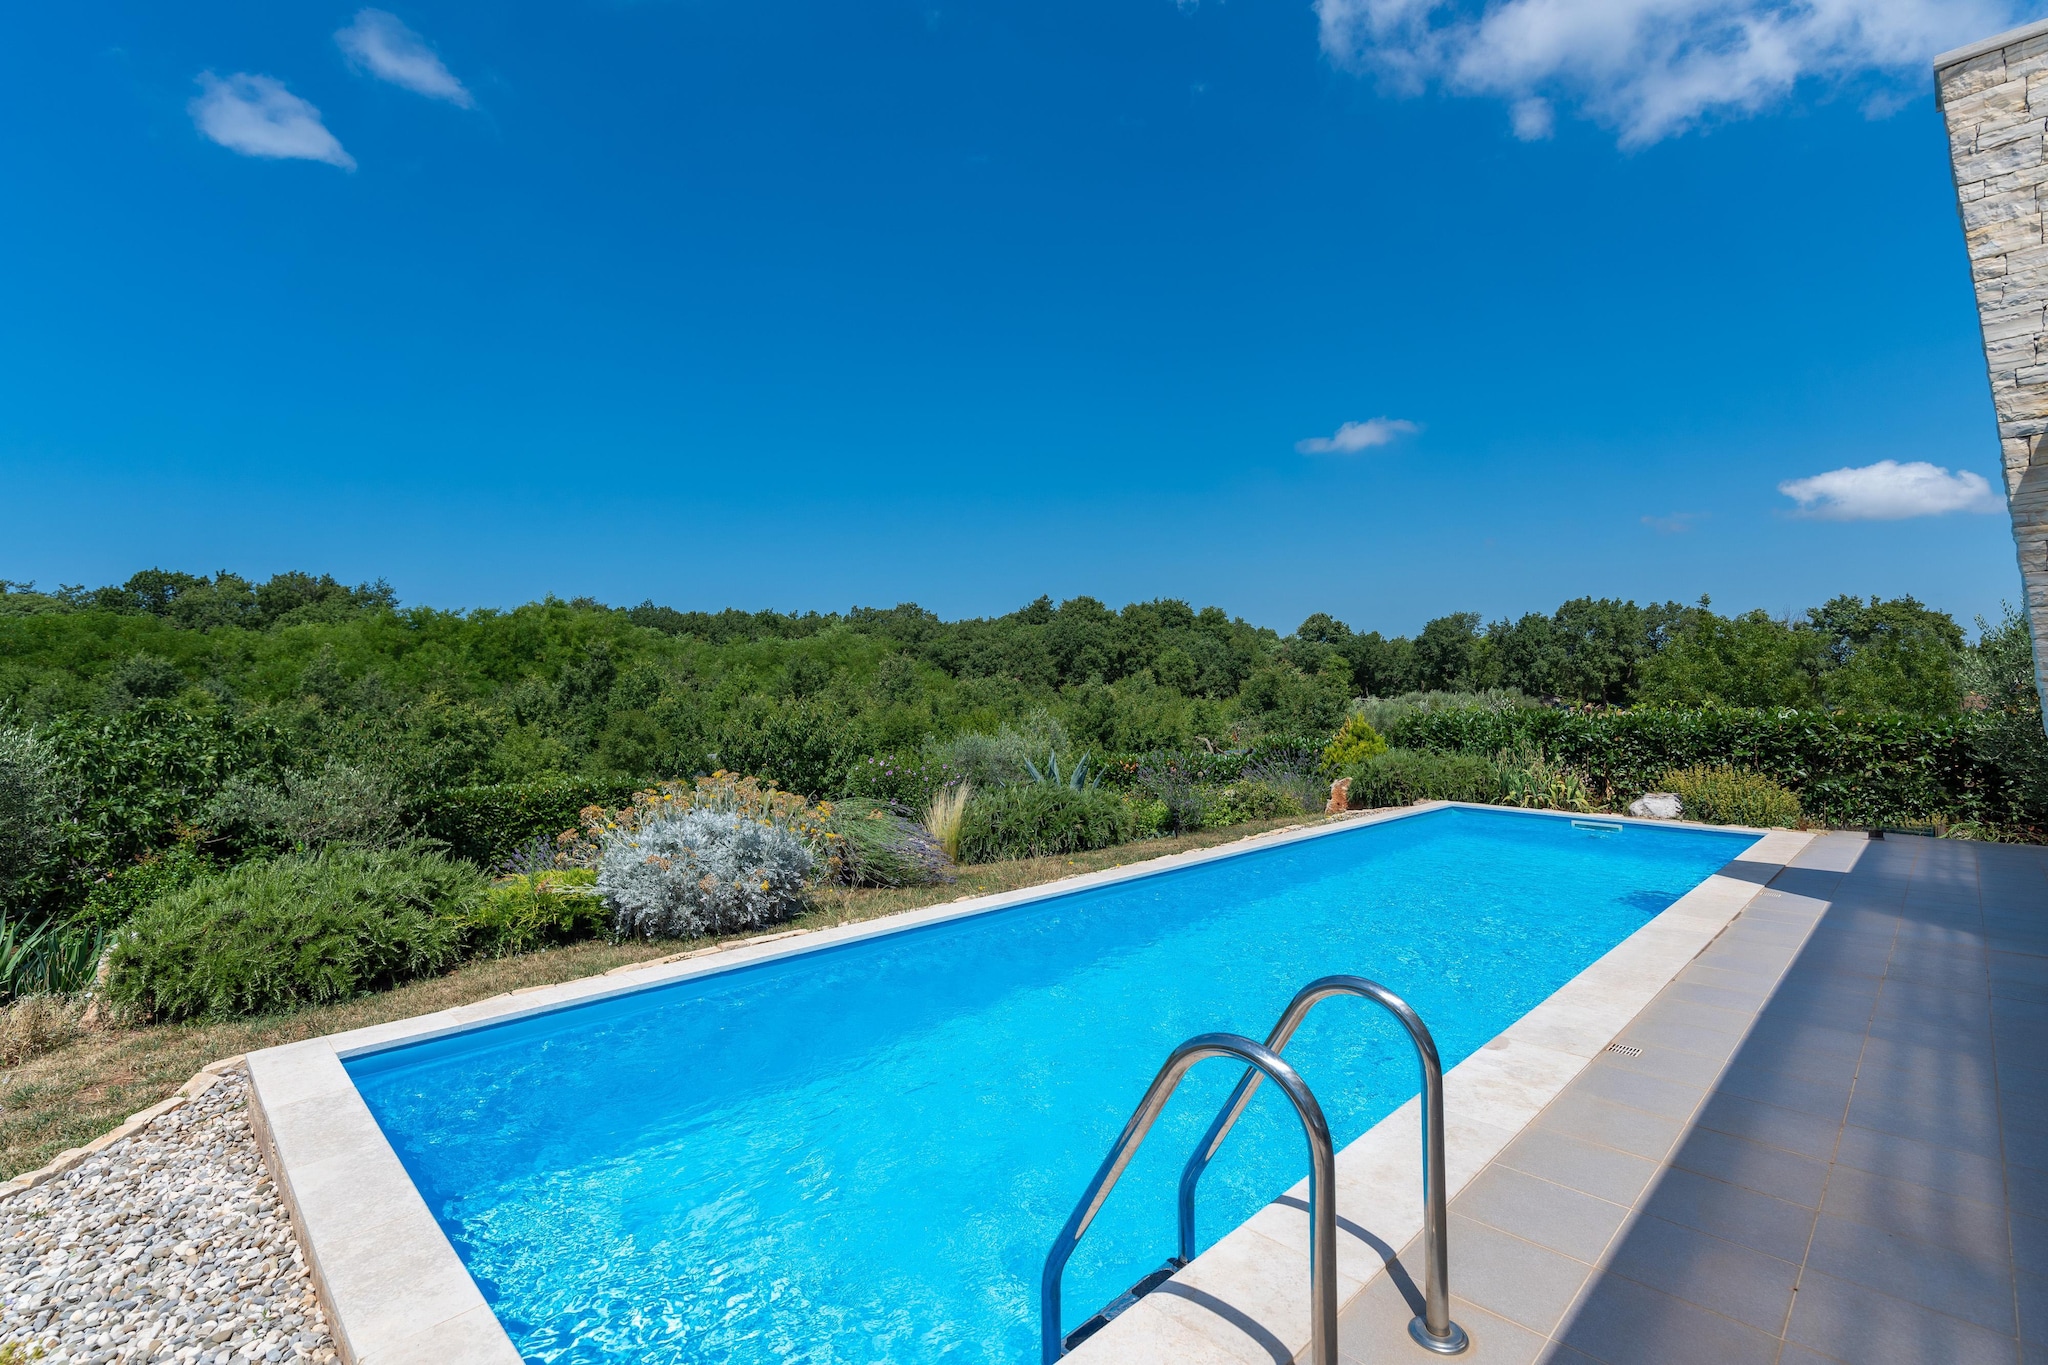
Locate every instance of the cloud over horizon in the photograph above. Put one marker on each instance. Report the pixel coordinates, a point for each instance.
(379, 42)
(257, 116)
(1353, 437)
(1649, 69)
(1890, 491)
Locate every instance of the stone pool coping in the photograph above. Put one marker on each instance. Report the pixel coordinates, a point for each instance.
(396, 1293)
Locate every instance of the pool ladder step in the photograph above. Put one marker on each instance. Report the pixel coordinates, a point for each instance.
(1432, 1329)
(1122, 1301)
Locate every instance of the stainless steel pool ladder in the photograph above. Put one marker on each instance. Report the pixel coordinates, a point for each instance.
(1322, 1179)
(1433, 1329)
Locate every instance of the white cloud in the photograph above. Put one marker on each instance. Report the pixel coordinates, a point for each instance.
(1533, 118)
(1889, 491)
(379, 43)
(1353, 437)
(257, 116)
(1648, 68)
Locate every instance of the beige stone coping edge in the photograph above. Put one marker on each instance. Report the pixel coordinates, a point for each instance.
(202, 1081)
(1985, 46)
(396, 1293)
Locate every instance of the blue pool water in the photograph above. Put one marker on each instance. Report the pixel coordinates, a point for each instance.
(861, 1154)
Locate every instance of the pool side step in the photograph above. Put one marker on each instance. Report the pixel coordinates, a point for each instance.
(1123, 1301)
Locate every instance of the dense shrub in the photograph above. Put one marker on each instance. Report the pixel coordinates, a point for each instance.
(1845, 769)
(879, 846)
(528, 911)
(906, 780)
(337, 804)
(1730, 796)
(1169, 799)
(301, 929)
(1039, 818)
(703, 871)
(1215, 767)
(29, 804)
(118, 895)
(1241, 801)
(1355, 742)
(1401, 777)
(487, 824)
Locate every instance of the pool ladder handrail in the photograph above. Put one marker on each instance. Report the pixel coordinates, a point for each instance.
(1433, 1329)
(1322, 1191)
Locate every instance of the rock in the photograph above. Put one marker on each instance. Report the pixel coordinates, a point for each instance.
(1340, 797)
(120, 1261)
(1657, 806)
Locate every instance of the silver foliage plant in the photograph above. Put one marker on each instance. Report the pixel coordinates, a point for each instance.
(703, 872)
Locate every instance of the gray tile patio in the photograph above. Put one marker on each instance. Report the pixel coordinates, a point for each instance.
(1833, 1145)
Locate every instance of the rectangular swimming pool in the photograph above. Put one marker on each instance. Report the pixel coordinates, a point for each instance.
(862, 1153)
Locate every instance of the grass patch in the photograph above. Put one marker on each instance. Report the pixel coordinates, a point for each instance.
(70, 1096)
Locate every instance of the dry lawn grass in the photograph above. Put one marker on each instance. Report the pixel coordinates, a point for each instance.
(70, 1096)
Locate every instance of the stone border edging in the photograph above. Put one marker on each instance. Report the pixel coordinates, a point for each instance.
(202, 1081)
(395, 1291)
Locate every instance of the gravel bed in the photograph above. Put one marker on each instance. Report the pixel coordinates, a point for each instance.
(170, 1246)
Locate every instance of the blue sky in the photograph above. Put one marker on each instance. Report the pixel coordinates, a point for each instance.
(961, 301)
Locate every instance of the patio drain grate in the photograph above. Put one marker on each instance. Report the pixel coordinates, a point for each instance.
(1624, 1049)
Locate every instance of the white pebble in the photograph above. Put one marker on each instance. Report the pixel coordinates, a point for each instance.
(166, 1247)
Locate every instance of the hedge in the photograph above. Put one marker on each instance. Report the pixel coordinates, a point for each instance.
(1846, 769)
(487, 824)
(1224, 765)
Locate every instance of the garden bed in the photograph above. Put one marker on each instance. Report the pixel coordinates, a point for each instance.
(67, 1097)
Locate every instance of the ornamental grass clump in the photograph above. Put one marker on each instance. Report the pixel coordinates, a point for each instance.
(1731, 796)
(703, 871)
(943, 816)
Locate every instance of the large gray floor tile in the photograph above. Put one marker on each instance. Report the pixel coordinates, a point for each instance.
(1967, 1127)
(1539, 1211)
(1773, 1226)
(1767, 1170)
(1580, 1165)
(1623, 1322)
(1948, 1169)
(1373, 1330)
(1612, 1125)
(1915, 1211)
(1851, 1323)
(1519, 1280)
(1770, 1125)
(1807, 1094)
(1977, 1286)
(1653, 1094)
(1735, 1281)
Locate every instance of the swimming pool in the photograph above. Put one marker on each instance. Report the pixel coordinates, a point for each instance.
(862, 1153)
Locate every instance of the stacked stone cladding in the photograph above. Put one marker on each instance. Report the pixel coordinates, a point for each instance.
(1994, 99)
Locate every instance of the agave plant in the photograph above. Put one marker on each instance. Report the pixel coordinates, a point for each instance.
(47, 960)
(1078, 780)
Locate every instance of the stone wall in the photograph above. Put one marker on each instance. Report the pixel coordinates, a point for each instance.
(1994, 98)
